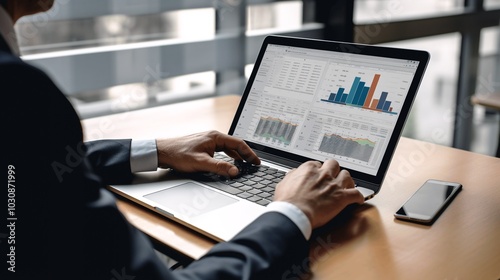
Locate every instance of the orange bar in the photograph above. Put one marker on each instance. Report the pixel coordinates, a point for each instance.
(372, 90)
(374, 104)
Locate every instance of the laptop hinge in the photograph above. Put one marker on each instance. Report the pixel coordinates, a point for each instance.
(367, 185)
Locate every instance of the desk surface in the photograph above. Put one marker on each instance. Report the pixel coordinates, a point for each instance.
(491, 101)
(464, 243)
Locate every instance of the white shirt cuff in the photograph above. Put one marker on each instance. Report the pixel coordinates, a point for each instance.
(293, 213)
(143, 155)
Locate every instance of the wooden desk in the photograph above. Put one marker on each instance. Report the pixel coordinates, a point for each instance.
(464, 243)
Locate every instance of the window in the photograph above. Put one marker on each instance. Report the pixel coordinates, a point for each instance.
(390, 10)
(468, 53)
(113, 56)
(110, 56)
(432, 115)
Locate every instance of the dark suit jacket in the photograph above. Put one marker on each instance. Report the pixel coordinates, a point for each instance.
(68, 225)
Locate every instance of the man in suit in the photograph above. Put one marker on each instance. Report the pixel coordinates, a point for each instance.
(63, 223)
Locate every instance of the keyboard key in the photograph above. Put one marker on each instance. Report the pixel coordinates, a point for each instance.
(244, 195)
(227, 189)
(265, 182)
(254, 191)
(236, 184)
(249, 183)
(245, 188)
(268, 189)
(263, 202)
(272, 185)
(254, 198)
(239, 179)
(264, 195)
(258, 186)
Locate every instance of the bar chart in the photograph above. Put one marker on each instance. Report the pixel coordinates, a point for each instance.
(363, 96)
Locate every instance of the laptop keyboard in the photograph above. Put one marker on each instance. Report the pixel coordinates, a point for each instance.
(255, 183)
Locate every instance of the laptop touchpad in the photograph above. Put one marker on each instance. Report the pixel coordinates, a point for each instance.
(190, 199)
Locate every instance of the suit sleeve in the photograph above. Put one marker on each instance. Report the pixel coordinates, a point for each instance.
(110, 159)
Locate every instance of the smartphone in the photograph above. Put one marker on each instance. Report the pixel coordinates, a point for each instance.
(428, 202)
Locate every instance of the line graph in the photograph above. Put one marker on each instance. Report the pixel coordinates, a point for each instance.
(357, 148)
(275, 129)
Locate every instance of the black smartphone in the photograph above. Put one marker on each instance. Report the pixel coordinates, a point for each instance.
(428, 202)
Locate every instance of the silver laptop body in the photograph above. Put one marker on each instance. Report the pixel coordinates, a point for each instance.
(305, 100)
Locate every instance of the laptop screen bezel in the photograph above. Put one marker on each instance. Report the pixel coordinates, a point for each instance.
(350, 48)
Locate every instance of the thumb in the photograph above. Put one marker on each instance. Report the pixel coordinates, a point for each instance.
(221, 167)
(354, 196)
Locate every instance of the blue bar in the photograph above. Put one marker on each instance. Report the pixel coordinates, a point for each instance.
(352, 92)
(358, 93)
(339, 95)
(387, 105)
(362, 98)
(344, 98)
(381, 102)
(332, 97)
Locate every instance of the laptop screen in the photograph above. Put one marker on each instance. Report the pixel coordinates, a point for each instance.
(322, 104)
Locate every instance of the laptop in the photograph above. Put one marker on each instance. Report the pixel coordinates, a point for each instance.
(306, 99)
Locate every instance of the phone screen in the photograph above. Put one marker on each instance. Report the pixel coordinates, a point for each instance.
(425, 204)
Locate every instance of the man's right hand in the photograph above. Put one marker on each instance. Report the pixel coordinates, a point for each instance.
(321, 191)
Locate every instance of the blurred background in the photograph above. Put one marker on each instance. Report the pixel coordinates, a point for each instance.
(111, 56)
